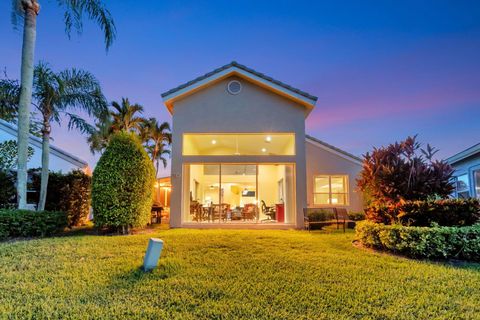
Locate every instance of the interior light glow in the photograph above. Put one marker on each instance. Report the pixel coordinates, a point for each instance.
(214, 141)
(264, 150)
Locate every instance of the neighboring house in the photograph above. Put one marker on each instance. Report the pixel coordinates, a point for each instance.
(467, 172)
(240, 155)
(60, 160)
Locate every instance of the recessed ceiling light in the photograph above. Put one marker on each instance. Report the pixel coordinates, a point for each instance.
(264, 150)
(268, 139)
(214, 141)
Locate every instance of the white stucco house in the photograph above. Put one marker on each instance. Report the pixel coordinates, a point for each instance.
(241, 157)
(60, 160)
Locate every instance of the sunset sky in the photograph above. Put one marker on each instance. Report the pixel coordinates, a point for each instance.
(382, 70)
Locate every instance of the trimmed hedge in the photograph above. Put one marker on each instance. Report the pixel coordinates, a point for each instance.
(122, 185)
(445, 212)
(422, 242)
(70, 193)
(26, 223)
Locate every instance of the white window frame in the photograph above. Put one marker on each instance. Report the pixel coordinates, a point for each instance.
(330, 204)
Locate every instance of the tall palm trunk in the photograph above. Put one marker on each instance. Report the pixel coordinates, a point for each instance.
(31, 8)
(45, 163)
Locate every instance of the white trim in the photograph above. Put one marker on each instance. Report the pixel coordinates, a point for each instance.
(172, 97)
(317, 144)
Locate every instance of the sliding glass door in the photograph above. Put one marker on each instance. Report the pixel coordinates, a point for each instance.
(239, 193)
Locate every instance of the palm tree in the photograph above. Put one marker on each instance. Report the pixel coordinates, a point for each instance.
(100, 136)
(125, 116)
(157, 138)
(55, 94)
(27, 11)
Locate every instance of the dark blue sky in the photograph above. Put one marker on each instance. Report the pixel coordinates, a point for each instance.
(382, 69)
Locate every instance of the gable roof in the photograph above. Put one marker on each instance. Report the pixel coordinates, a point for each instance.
(462, 155)
(234, 68)
(37, 142)
(344, 154)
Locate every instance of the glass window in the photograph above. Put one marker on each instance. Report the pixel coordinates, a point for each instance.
(476, 178)
(239, 193)
(463, 186)
(224, 144)
(330, 190)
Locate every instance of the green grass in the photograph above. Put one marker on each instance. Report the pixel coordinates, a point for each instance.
(228, 274)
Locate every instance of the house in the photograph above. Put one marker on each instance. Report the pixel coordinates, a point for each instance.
(240, 155)
(60, 160)
(467, 172)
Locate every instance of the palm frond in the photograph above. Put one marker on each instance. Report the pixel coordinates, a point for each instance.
(95, 10)
(76, 122)
(9, 99)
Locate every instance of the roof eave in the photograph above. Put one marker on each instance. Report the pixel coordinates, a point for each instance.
(170, 98)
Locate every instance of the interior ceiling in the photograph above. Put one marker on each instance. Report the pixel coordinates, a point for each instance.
(248, 144)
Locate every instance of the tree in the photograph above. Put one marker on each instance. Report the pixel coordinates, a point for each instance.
(100, 136)
(55, 94)
(404, 171)
(125, 116)
(9, 98)
(122, 185)
(9, 153)
(157, 138)
(27, 11)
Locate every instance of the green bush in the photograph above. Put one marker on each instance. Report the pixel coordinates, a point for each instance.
(422, 242)
(320, 214)
(70, 193)
(122, 185)
(26, 223)
(445, 212)
(356, 216)
(7, 189)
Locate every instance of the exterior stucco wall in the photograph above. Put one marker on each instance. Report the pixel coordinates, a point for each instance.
(321, 161)
(254, 109)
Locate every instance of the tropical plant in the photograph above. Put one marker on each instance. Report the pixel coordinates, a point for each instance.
(9, 153)
(404, 171)
(26, 11)
(9, 96)
(54, 95)
(122, 185)
(100, 136)
(125, 116)
(157, 138)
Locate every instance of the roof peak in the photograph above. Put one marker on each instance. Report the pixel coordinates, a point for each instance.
(247, 72)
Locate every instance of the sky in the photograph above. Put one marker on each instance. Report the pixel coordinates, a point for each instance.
(382, 70)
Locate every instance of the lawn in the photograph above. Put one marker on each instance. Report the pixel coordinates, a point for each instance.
(228, 274)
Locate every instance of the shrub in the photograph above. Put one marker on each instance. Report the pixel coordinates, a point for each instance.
(123, 184)
(7, 187)
(26, 223)
(422, 242)
(446, 212)
(356, 216)
(70, 193)
(404, 171)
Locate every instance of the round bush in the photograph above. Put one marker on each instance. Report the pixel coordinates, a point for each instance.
(122, 184)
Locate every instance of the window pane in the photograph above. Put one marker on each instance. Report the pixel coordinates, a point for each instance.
(224, 144)
(476, 175)
(321, 198)
(463, 186)
(339, 198)
(322, 184)
(338, 184)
